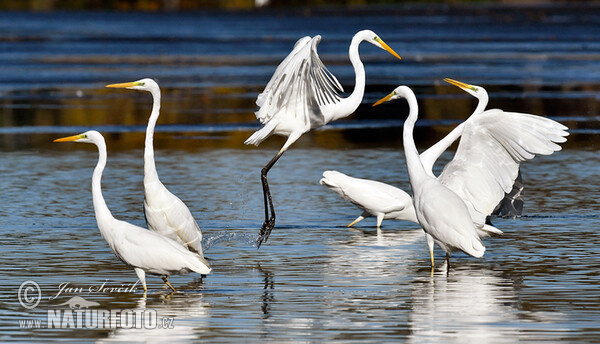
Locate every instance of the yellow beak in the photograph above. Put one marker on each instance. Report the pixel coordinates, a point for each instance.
(123, 85)
(384, 99)
(458, 83)
(69, 138)
(387, 47)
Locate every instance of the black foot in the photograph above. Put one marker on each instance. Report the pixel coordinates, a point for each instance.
(265, 231)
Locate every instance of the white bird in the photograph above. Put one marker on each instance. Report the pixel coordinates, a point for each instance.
(303, 95)
(388, 202)
(165, 213)
(144, 250)
(453, 207)
(375, 198)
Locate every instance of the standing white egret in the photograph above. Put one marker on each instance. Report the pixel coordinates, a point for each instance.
(452, 208)
(303, 95)
(165, 213)
(144, 250)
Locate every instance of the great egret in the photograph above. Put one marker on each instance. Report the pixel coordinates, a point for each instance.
(375, 198)
(144, 250)
(512, 203)
(453, 207)
(303, 95)
(165, 213)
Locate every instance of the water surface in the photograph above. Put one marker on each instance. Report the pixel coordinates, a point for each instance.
(315, 280)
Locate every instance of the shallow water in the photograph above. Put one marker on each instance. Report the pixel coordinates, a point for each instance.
(315, 280)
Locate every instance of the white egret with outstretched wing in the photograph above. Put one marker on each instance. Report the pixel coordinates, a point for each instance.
(303, 95)
(453, 207)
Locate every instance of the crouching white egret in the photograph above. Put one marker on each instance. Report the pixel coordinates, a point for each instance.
(375, 198)
(146, 251)
(452, 208)
(303, 95)
(165, 213)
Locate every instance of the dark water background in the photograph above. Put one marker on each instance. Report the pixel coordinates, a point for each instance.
(315, 280)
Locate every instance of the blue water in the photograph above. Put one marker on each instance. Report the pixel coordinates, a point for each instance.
(315, 280)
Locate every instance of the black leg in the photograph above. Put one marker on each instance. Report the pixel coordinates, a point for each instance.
(447, 262)
(269, 223)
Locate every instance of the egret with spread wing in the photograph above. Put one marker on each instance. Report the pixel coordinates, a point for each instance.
(453, 207)
(144, 250)
(512, 203)
(303, 95)
(165, 213)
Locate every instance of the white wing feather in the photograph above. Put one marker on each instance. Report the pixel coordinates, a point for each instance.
(493, 144)
(300, 84)
(167, 215)
(152, 252)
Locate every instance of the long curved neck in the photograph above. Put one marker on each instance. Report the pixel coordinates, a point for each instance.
(416, 172)
(482, 103)
(102, 212)
(150, 173)
(430, 156)
(351, 103)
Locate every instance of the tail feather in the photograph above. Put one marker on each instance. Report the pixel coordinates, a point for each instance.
(199, 265)
(487, 230)
(261, 134)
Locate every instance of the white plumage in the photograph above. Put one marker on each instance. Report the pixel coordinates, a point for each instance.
(484, 168)
(165, 213)
(144, 250)
(303, 95)
(375, 198)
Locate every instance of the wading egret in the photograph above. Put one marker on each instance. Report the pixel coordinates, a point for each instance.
(375, 198)
(165, 213)
(144, 250)
(303, 95)
(453, 207)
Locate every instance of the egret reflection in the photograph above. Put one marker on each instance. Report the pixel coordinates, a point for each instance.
(471, 304)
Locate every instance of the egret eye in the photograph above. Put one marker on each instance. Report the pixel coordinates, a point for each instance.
(141, 83)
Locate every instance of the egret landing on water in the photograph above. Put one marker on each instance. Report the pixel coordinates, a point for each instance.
(303, 95)
(146, 251)
(165, 213)
(453, 207)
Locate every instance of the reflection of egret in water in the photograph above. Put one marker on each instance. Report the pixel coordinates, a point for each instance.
(267, 296)
(375, 253)
(190, 315)
(469, 305)
(366, 276)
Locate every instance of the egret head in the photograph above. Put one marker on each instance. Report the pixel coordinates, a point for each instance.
(91, 136)
(399, 92)
(474, 90)
(373, 38)
(143, 85)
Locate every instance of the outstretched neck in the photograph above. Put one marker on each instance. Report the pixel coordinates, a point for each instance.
(100, 208)
(416, 171)
(351, 103)
(150, 173)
